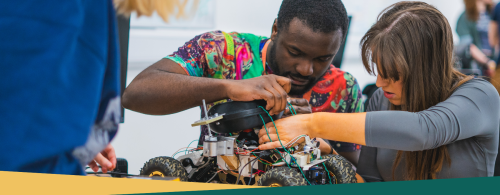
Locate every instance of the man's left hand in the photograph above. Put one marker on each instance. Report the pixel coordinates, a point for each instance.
(300, 105)
(106, 158)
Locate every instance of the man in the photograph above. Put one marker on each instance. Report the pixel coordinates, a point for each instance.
(295, 62)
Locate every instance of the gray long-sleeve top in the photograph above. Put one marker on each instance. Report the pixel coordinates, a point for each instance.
(467, 123)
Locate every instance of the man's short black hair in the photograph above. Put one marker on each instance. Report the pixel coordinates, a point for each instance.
(321, 15)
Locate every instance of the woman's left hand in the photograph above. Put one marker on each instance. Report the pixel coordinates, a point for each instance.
(287, 129)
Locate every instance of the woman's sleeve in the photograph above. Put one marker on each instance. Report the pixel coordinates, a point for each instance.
(367, 163)
(472, 110)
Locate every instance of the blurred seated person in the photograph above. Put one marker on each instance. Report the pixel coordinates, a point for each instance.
(474, 48)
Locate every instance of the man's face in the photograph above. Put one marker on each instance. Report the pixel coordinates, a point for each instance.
(302, 55)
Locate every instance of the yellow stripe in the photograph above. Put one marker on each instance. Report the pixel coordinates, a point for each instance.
(37, 183)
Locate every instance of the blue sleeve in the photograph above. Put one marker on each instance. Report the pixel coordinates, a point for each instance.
(59, 81)
(495, 16)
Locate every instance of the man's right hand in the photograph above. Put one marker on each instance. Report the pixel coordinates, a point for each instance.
(271, 88)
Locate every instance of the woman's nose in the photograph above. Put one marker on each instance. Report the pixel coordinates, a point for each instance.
(381, 82)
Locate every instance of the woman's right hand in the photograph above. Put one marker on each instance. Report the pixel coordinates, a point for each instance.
(286, 130)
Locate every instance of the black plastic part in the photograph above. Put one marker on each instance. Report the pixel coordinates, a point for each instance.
(248, 138)
(186, 162)
(202, 174)
(239, 116)
(121, 168)
(317, 175)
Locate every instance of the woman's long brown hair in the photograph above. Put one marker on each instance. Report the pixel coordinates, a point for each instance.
(472, 11)
(413, 42)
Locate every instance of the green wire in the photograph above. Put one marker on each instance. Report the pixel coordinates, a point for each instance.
(327, 172)
(291, 157)
(270, 137)
(292, 109)
(190, 145)
(173, 156)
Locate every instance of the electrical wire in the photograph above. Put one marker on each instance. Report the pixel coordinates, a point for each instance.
(327, 172)
(251, 173)
(270, 136)
(183, 148)
(209, 180)
(190, 144)
(294, 140)
(239, 175)
(292, 109)
(291, 157)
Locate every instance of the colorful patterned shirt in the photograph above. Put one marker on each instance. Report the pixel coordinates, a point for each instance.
(208, 55)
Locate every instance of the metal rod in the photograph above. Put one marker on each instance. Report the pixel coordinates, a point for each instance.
(206, 118)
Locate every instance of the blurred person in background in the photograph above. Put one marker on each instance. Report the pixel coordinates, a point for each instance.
(472, 28)
(493, 35)
(59, 83)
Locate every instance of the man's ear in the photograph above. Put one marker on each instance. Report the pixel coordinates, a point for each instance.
(274, 33)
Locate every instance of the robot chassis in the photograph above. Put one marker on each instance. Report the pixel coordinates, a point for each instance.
(237, 160)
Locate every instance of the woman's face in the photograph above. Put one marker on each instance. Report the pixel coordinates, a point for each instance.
(392, 89)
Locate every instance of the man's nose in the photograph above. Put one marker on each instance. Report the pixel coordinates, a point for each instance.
(305, 68)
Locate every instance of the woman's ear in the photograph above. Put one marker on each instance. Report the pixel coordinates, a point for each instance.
(274, 33)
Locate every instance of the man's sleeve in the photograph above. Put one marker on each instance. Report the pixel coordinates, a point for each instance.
(354, 93)
(202, 56)
(353, 98)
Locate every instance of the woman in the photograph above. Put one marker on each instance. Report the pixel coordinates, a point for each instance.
(472, 28)
(442, 124)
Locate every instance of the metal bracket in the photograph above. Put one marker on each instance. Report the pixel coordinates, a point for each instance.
(208, 121)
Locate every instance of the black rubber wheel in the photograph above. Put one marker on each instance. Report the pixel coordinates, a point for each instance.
(341, 168)
(282, 176)
(164, 166)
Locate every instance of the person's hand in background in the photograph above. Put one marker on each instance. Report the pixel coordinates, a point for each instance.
(491, 65)
(106, 158)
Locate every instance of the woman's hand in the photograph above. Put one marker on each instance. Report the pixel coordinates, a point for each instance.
(287, 129)
(343, 127)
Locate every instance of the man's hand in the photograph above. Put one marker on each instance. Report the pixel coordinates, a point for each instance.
(107, 160)
(300, 105)
(271, 88)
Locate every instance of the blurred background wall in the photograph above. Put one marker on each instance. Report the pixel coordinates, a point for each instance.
(142, 137)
